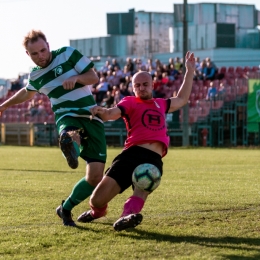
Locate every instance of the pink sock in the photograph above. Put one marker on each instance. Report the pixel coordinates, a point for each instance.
(133, 205)
(98, 212)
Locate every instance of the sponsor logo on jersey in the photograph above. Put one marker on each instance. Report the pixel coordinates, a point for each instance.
(58, 71)
(153, 120)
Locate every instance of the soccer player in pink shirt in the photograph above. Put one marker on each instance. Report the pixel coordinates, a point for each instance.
(147, 142)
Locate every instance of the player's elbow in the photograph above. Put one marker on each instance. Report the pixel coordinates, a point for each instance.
(90, 77)
(92, 80)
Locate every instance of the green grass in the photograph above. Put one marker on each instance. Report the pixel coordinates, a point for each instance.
(207, 207)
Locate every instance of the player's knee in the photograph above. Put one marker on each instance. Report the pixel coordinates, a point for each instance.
(93, 179)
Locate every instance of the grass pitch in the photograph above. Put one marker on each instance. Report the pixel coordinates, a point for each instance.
(207, 207)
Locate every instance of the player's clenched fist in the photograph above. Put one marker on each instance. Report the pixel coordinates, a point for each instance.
(69, 83)
(97, 111)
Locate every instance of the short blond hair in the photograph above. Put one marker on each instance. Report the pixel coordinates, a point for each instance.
(33, 36)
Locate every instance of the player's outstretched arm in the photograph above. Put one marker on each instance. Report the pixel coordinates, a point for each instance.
(183, 94)
(106, 113)
(21, 96)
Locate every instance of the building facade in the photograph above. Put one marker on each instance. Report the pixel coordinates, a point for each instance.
(228, 33)
(130, 34)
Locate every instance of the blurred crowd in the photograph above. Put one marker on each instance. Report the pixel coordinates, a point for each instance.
(115, 81)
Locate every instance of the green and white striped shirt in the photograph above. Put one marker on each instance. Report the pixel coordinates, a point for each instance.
(66, 62)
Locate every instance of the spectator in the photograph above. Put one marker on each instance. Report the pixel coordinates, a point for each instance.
(151, 70)
(128, 81)
(118, 72)
(101, 89)
(158, 65)
(114, 89)
(209, 71)
(165, 68)
(116, 79)
(3, 92)
(117, 97)
(140, 65)
(173, 73)
(123, 91)
(212, 91)
(178, 64)
(170, 63)
(158, 74)
(108, 100)
(157, 88)
(168, 91)
(130, 90)
(114, 64)
(110, 78)
(198, 73)
(105, 68)
(126, 72)
(150, 65)
(143, 68)
(32, 108)
(16, 84)
(165, 78)
(221, 91)
(197, 62)
(119, 75)
(41, 109)
(212, 63)
(130, 65)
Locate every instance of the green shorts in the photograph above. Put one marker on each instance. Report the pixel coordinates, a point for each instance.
(93, 143)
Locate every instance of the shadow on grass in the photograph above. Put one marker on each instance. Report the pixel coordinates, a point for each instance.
(232, 243)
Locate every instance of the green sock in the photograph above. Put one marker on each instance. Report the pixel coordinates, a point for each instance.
(80, 192)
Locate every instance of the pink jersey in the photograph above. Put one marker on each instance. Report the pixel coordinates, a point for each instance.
(145, 120)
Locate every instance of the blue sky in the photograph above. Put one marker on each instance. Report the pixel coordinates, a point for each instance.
(62, 20)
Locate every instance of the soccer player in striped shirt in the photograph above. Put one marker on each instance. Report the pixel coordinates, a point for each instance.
(66, 76)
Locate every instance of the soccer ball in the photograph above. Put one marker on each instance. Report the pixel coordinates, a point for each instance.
(146, 177)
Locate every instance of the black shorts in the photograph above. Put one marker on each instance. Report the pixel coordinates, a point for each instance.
(124, 164)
